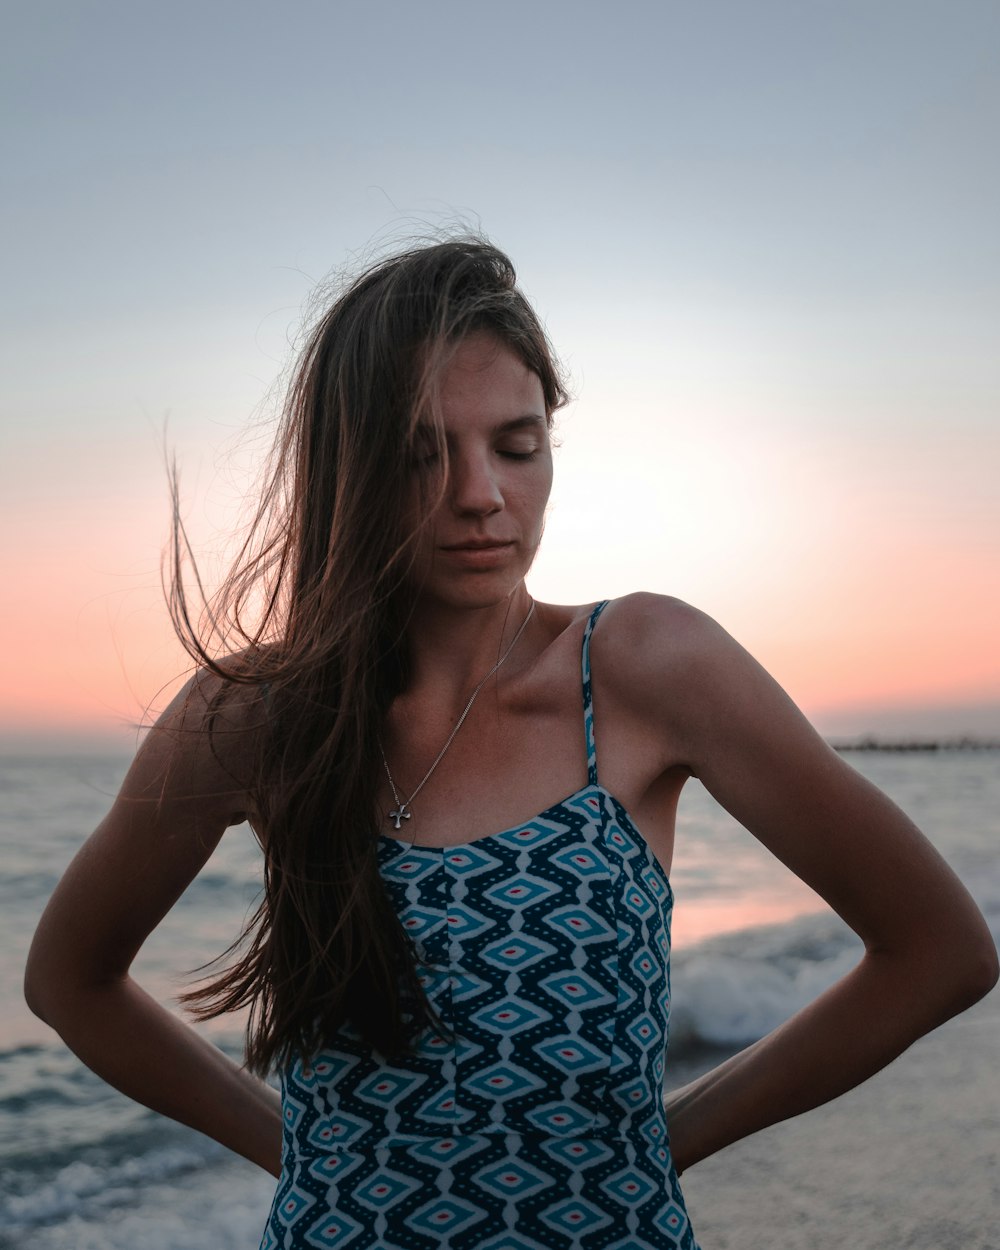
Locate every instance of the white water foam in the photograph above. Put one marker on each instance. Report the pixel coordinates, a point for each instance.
(219, 1207)
(731, 990)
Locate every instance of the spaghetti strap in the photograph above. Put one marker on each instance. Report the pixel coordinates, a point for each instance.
(588, 695)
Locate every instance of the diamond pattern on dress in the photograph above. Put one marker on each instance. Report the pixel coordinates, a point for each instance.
(545, 948)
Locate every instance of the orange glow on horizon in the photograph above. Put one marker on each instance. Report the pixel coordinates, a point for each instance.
(842, 580)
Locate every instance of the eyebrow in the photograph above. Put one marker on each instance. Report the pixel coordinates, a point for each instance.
(530, 421)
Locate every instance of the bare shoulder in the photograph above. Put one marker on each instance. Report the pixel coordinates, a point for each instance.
(644, 618)
(203, 747)
(190, 780)
(677, 667)
(649, 639)
(642, 628)
(645, 645)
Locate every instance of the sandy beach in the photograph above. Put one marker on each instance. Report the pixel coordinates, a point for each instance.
(908, 1161)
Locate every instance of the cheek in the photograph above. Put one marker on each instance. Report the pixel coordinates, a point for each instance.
(538, 501)
(549, 474)
(546, 479)
(423, 504)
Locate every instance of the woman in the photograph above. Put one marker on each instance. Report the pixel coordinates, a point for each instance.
(461, 975)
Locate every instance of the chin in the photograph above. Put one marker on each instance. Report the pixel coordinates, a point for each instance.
(471, 591)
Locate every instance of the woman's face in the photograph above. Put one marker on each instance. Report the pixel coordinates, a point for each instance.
(484, 532)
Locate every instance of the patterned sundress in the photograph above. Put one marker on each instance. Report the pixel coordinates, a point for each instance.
(545, 949)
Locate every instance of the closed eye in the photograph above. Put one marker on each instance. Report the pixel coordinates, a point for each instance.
(425, 454)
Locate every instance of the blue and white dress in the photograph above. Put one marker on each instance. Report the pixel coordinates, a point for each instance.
(545, 949)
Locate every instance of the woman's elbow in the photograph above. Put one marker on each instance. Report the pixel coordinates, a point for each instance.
(36, 990)
(960, 949)
(942, 970)
(47, 978)
(983, 971)
(53, 980)
(969, 966)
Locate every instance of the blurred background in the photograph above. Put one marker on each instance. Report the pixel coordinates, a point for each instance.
(762, 236)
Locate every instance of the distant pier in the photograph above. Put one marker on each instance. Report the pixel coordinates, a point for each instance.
(871, 742)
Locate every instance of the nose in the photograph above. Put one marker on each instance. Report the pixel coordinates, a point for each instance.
(473, 488)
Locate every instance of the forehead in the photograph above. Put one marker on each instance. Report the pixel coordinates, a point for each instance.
(484, 380)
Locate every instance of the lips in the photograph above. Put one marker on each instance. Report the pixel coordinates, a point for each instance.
(478, 555)
(476, 544)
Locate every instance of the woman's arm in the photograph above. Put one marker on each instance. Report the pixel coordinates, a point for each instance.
(928, 951)
(175, 803)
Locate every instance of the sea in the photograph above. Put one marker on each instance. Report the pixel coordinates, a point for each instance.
(84, 1168)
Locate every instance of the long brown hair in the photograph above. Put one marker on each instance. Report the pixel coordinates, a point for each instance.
(314, 613)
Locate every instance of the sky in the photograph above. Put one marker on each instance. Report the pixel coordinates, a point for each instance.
(762, 237)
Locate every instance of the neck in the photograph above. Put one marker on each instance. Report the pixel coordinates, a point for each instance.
(453, 648)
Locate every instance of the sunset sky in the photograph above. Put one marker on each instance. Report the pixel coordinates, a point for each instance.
(762, 236)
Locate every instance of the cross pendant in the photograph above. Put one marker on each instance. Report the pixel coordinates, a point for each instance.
(399, 815)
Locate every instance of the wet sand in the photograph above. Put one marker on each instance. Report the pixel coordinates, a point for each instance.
(908, 1161)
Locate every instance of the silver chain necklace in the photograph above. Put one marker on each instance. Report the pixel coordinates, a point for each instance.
(402, 811)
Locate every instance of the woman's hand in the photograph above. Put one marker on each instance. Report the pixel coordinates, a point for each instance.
(175, 803)
(928, 951)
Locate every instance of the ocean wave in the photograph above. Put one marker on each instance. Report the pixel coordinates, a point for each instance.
(731, 990)
(82, 1187)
